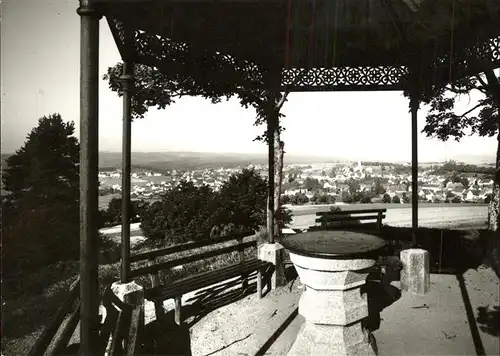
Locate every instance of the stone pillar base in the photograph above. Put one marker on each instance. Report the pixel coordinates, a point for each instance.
(130, 293)
(333, 307)
(274, 253)
(332, 340)
(415, 275)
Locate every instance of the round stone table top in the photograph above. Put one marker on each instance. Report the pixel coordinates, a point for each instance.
(333, 244)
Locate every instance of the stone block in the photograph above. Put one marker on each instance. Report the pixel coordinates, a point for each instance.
(332, 340)
(273, 253)
(341, 307)
(415, 275)
(130, 292)
(322, 264)
(327, 280)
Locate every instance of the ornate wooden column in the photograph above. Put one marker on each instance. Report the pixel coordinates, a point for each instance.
(89, 161)
(272, 122)
(127, 79)
(273, 82)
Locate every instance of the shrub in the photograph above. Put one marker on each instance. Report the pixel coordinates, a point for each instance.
(300, 199)
(346, 197)
(396, 199)
(366, 199)
(113, 215)
(187, 212)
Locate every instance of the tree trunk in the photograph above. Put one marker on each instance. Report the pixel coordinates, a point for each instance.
(494, 208)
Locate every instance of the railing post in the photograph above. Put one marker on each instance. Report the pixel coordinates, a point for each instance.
(89, 160)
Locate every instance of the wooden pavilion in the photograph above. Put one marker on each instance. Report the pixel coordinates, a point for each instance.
(275, 46)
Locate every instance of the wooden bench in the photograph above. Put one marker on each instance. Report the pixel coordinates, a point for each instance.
(350, 218)
(117, 334)
(160, 292)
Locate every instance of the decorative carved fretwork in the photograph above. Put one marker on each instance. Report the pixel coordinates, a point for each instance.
(343, 78)
(152, 49)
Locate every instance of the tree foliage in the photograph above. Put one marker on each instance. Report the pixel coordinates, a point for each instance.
(155, 87)
(353, 186)
(187, 212)
(378, 188)
(443, 122)
(311, 184)
(346, 197)
(40, 218)
(323, 198)
(46, 166)
(113, 214)
(482, 119)
(244, 197)
(365, 199)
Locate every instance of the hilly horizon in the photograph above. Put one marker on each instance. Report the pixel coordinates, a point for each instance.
(198, 160)
(192, 160)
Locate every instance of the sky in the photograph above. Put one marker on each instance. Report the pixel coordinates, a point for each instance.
(40, 46)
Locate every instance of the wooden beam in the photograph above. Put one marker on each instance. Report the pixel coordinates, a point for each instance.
(413, 5)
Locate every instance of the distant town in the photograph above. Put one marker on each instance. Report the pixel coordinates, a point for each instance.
(318, 183)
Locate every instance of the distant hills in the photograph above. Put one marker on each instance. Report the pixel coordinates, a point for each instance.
(197, 160)
(162, 161)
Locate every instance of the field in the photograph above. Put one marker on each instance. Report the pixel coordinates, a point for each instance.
(429, 215)
(109, 182)
(105, 199)
(299, 210)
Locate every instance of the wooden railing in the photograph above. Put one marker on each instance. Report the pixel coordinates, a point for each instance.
(62, 339)
(118, 333)
(152, 256)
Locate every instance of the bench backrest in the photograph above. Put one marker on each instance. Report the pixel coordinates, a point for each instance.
(336, 219)
(154, 266)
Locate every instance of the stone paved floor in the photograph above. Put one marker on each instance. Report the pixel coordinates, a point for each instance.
(434, 324)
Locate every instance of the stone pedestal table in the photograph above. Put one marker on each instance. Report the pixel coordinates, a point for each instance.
(333, 265)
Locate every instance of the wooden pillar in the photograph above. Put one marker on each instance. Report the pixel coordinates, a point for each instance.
(127, 81)
(271, 125)
(89, 160)
(273, 82)
(414, 105)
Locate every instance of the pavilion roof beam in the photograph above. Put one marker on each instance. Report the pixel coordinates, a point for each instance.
(413, 5)
(396, 21)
